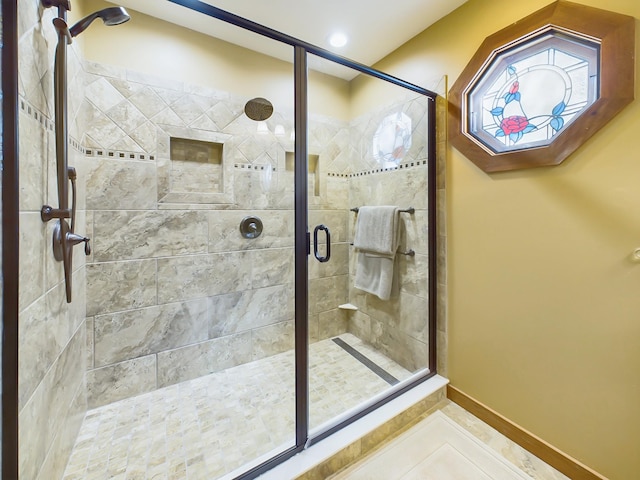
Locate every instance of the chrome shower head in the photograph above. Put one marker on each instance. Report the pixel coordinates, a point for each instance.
(110, 16)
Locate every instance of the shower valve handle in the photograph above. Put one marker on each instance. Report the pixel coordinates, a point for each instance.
(75, 239)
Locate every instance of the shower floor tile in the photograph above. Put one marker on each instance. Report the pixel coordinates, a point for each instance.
(204, 428)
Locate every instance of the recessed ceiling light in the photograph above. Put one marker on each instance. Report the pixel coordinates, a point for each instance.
(338, 39)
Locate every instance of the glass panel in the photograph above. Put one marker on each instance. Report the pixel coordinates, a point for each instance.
(531, 91)
(368, 307)
(186, 338)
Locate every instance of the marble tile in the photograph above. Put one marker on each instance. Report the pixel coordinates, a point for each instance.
(337, 192)
(154, 81)
(33, 141)
(359, 324)
(335, 220)
(313, 327)
(34, 245)
(441, 264)
(413, 274)
(271, 266)
(187, 109)
(415, 231)
(338, 263)
(125, 235)
(223, 114)
(56, 460)
(194, 424)
(117, 286)
(146, 136)
(89, 326)
(147, 101)
(136, 333)
(102, 94)
(195, 276)
(47, 411)
(243, 311)
(272, 339)
(194, 361)
(120, 185)
(224, 231)
(102, 130)
(404, 349)
(196, 177)
(327, 293)
(332, 323)
(45, 329)
(122, 380)
(408, 313)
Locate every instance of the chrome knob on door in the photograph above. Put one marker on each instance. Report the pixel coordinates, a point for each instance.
(316, 253)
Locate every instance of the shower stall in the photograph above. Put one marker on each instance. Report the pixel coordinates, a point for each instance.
(215, 327)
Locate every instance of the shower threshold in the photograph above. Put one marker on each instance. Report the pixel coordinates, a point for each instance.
(210, 426)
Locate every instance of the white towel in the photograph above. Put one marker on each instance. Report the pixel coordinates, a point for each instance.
(376, 239)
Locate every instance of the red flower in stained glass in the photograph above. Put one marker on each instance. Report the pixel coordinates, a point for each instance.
(514, 87)
(514, 124)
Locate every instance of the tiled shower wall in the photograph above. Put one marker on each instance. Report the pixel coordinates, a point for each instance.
(397, 327)
(52, 392)
(174, 291)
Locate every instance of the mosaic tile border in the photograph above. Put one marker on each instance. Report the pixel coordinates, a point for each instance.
(379, 170)
(99, 152)
(33, 112)
(49, 124)
(249, 166)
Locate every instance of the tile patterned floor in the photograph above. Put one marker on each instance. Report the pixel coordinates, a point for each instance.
(450, 444)
(204, 428)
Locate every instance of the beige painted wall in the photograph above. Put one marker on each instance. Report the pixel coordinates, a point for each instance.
(544, 311)
(148, 45)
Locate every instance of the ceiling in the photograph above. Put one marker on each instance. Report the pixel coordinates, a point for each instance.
(375, 27)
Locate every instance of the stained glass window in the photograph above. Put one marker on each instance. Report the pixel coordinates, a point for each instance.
(531, 90)
(392, 140)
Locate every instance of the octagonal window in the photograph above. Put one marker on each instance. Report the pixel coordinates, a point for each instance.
(530, 91)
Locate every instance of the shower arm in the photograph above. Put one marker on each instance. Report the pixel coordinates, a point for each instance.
(64, 237)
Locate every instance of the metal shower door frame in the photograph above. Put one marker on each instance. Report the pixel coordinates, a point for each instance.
(10, 239)
(302, 240)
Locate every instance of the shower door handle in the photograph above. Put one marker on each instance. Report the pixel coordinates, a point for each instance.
(316, 253)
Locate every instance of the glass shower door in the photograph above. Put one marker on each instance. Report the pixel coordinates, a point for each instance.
(368, 294)
(190, 284)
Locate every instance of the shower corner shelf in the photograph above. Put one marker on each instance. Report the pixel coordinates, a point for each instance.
(348, 306)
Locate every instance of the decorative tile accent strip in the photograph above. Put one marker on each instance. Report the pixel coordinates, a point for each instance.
(99, 152)
(32, 111)
(49, 124)
(379, 170)
(248, 166)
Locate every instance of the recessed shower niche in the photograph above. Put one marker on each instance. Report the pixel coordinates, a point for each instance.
(196, 166)
(313, 169)
(192, 167)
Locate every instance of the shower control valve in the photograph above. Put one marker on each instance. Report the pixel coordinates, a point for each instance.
(75, 239)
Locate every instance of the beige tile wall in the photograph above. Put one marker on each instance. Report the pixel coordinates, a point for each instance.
(171, 290)
(175, 292)
(398, 327)
(52, 335)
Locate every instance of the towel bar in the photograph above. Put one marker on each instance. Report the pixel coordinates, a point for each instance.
(410, 253)
(409, 210)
